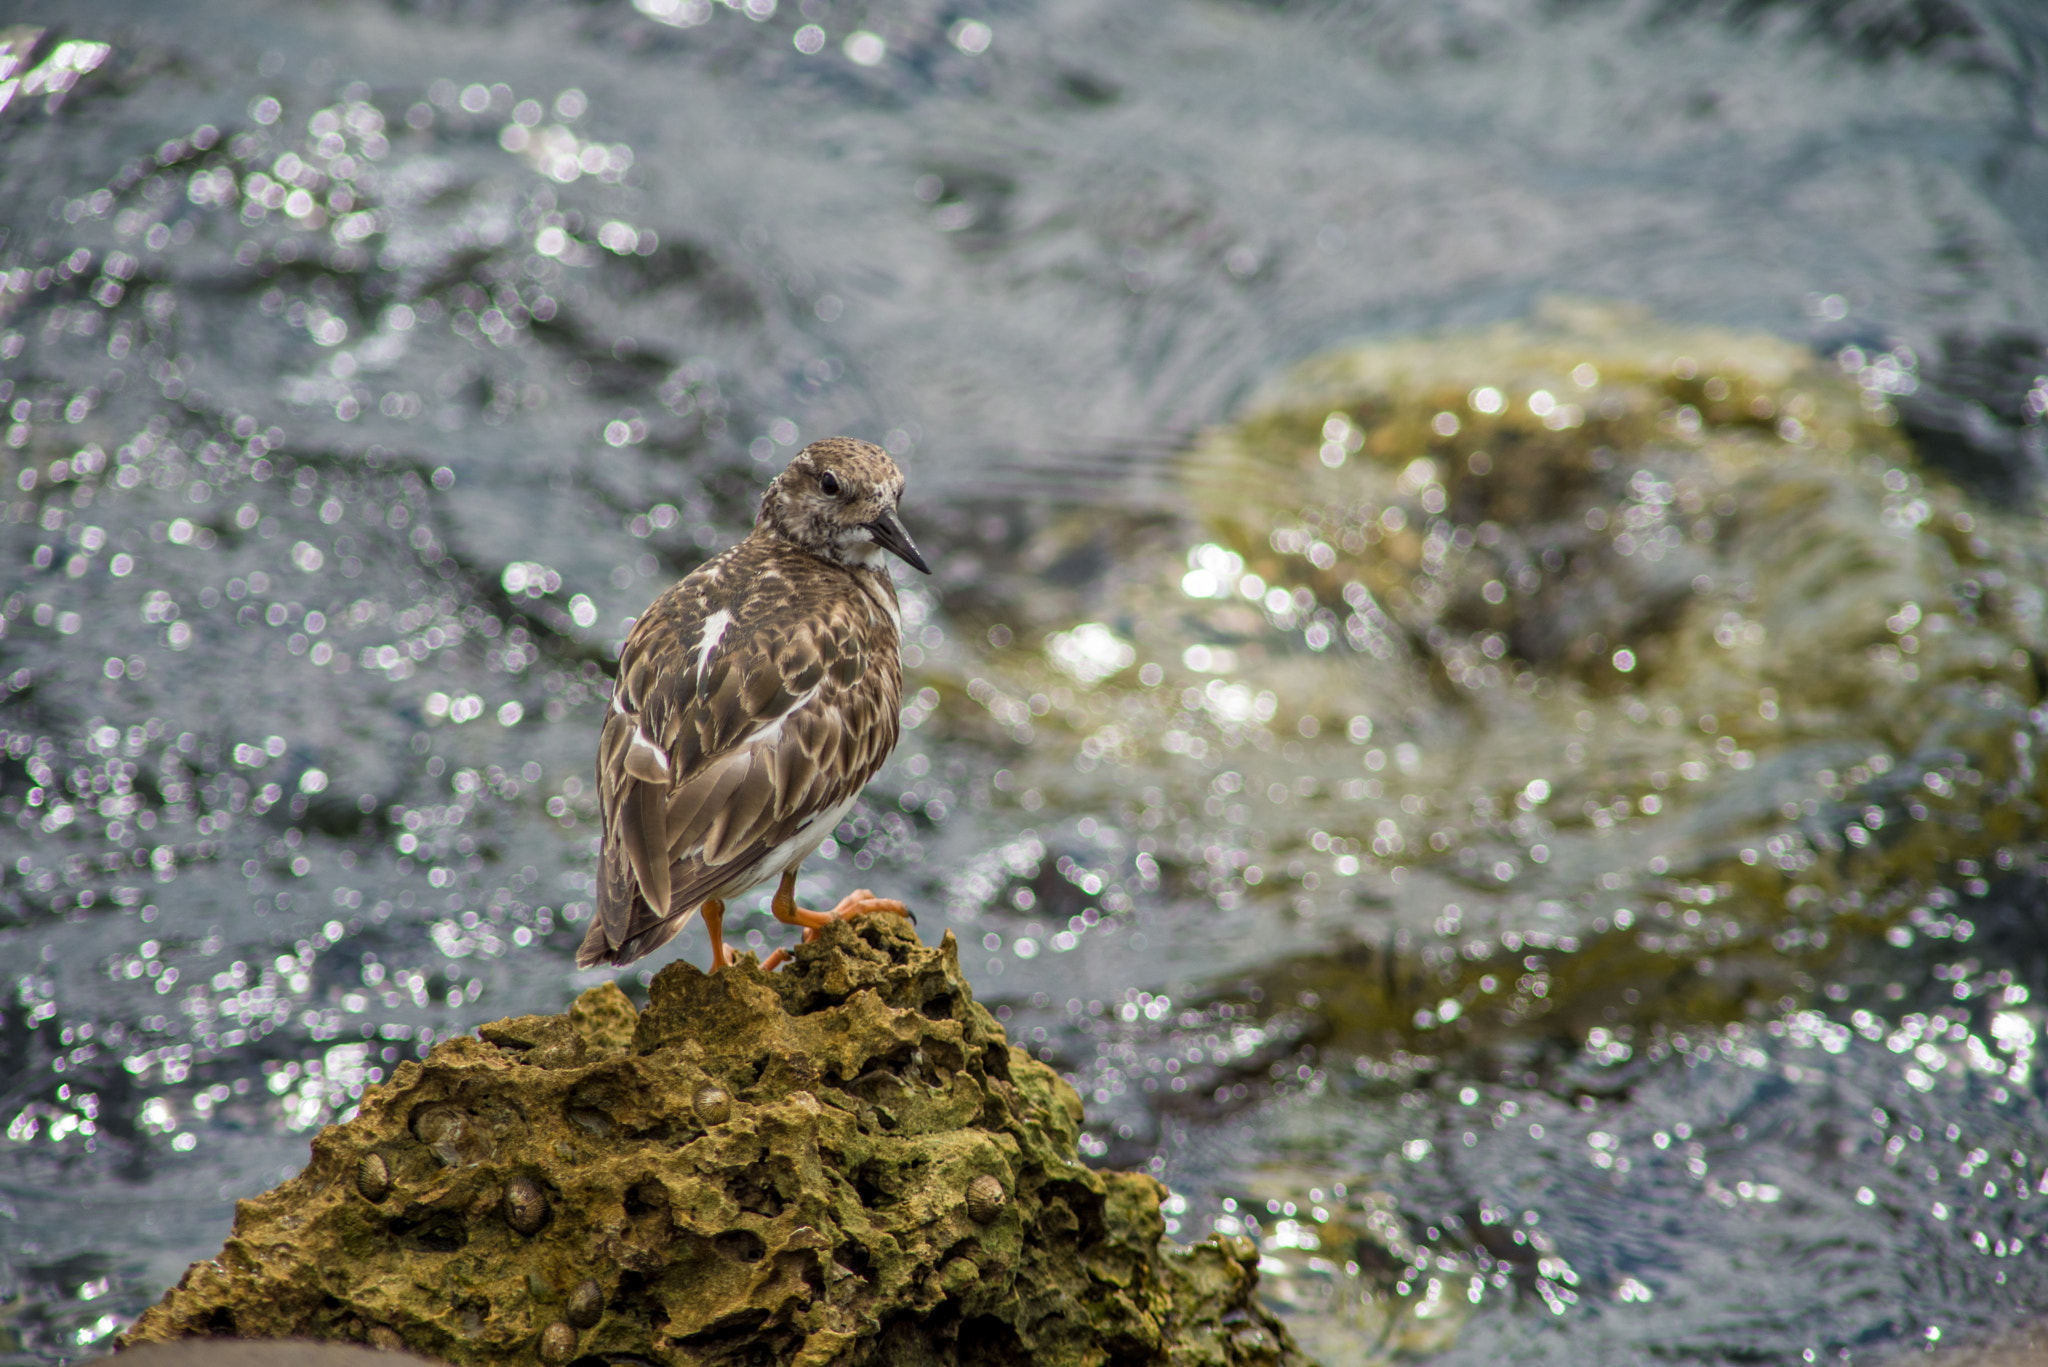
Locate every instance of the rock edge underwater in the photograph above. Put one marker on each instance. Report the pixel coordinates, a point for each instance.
(845, 1162)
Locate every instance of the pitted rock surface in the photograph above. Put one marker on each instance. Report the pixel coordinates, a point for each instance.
(796, 1167)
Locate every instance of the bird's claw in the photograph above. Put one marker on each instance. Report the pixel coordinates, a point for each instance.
(859, 902)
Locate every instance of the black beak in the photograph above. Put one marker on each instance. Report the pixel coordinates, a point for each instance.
(890, 536)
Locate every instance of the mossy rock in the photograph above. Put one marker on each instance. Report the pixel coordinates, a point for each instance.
(845, 1162)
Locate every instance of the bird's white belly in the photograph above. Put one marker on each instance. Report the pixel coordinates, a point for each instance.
(793, 851)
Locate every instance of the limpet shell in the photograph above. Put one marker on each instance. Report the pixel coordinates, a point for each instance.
(373, 1177)
(557, 1342)
(712, 1104)
(985, 1199)
(586, 1304)
(526, 1205)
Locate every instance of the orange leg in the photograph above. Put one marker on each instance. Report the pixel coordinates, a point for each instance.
(713, 913)
(860, 902)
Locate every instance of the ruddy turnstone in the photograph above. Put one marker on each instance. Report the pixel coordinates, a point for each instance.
(755, 699)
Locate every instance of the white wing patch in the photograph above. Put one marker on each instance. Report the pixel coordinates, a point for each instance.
(644, 759)
(714, 631)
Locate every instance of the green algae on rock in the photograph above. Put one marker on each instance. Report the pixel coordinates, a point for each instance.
(845, 1162)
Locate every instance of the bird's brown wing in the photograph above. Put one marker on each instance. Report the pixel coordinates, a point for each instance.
(789, 717)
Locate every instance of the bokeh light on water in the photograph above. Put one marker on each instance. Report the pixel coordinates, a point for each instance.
(1538, 828)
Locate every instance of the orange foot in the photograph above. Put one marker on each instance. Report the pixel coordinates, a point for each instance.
(859, 902)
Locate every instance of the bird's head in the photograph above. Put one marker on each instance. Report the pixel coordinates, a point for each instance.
(837, 500)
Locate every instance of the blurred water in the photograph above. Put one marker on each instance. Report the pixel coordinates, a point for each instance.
(366, 369)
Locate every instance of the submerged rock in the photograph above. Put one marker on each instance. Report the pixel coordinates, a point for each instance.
(1548, 637)
(844, 1162)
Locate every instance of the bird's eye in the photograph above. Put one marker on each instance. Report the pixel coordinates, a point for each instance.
(829, 482)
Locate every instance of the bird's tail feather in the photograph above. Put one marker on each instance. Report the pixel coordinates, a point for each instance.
(625, 927)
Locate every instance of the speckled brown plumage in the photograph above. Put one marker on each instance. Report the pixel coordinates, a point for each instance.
(754, 701)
